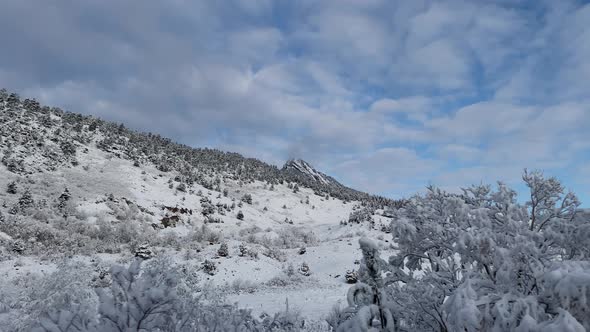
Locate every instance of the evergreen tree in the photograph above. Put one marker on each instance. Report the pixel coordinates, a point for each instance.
(12, 188)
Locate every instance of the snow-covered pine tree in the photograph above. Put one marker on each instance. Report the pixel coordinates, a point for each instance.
(11, 188)
(367, 310)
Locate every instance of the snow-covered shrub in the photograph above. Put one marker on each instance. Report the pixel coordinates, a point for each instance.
(207, 208)
(360, 216)
(287, 320)
(336, 316)
(152, 296)
(32, 298)
(367, 299)
(42, 238)
(249, 234)
(480, 261)
(223, 250)
(295, 237)
(213, 220)
(143, 251)
(25, 202)
(242, 286)
(275, 253)
(11, 188)
(288, 276)
(130, 233)
(243, 250)
(351, 277)
(280, 281)
(204, 234)
(253, 254)
(18, 246)
(304, 269)
(209, 267)
(137, 300)
(247, 198)
(125, 210)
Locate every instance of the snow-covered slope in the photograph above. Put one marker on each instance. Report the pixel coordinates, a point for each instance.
(306, 169)
(77, 188)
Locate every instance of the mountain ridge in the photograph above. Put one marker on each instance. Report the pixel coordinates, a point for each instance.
(97, 192)
(307, 169)
(29, 122)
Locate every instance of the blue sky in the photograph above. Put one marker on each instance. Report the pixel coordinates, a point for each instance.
(386, 96)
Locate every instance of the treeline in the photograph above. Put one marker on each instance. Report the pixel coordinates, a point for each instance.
(58, 136)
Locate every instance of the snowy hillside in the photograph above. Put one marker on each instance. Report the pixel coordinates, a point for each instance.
(106, 229)
(98, 193)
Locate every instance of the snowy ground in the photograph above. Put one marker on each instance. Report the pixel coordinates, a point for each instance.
(315, 295)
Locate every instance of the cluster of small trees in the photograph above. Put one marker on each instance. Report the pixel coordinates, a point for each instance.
(479, 261)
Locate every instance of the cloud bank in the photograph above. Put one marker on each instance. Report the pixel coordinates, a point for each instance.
(387, 96)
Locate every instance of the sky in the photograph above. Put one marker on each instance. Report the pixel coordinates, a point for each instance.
(385, 96)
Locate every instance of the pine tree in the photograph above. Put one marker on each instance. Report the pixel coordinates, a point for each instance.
(12, 188)
(223, 250)
(63, 200)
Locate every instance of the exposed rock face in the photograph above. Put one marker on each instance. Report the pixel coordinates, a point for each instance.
(305, 168)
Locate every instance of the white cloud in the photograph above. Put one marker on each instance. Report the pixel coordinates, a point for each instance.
(482, 120)
(418, 104)
(457, 152)
(399, 170)
(482, 86)
(256, 44)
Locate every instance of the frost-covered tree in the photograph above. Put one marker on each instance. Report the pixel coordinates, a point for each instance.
(153, 296)
(367, 300)
(476, 261)
(24, 203)
(11, 188)
(247, 198)
(136, 301)
(547, 202)
(223, 250)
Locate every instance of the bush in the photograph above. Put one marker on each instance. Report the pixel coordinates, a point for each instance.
(479, 261)
(240, 285)
(209, 267)
(12, 188)
(204, 234)
(152, 297)
(32, 298)
(275, 253)
(223, 250)
(247, 198)
(293, 237)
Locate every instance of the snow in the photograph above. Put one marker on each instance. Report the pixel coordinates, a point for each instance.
(5, 237)
(305, 168)
(100, 175)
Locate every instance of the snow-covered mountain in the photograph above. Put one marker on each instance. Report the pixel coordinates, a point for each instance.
(83, 201)
(305, 169)
(75, 188)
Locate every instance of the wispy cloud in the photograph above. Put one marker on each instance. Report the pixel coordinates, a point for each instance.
(388, 96)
